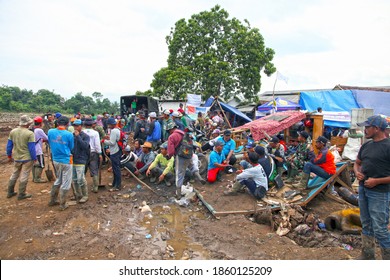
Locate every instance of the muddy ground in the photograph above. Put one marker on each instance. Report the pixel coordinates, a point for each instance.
(112, 226)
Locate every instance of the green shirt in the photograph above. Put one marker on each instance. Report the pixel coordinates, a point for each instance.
(20, 137)
(163, 162)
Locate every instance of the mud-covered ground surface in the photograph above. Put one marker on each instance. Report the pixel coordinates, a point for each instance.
(111, 225)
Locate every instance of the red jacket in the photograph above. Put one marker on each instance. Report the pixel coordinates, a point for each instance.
(174, 141)
(325, 160)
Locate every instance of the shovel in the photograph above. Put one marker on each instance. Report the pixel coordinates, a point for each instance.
(49, 173)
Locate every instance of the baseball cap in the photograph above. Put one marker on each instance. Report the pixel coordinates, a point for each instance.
(275, 139)
(218, 143)
(127, 148)
(111, 121)
(62, 120)
(175, 114)
(260, 150)
(77, 122)
(164, 145)
(227, 132)
(166, 112)
(376, 120)
(322, 140)
(153, 115)
(253, 157)
(89, 122)
(216, 131)
(250, 145)
(304, 134)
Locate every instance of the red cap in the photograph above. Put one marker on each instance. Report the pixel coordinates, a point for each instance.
(38, 119)
(170, 110)
(180, 110)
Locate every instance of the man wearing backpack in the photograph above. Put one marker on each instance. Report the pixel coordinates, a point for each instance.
(183, 157)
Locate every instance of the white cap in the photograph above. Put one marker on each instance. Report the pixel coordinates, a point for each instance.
(127, 148)
(152, 115)
(175, 114)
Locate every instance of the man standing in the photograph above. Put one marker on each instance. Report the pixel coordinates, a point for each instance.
(181, 163)
(115, 153)
(81, 153)
(61, 142)
(372, 169)
(322, 165)
(154, 131)
(96, 153)
(40, 137)
(48, 122)
(140, 127)
(21, 147)
(165, 122)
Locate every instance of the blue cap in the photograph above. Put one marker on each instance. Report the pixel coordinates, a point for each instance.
(218, 143)
(376, 120)
(111, 120)
(250, 145)
(57, 115)
(164, 145)
(77, 122)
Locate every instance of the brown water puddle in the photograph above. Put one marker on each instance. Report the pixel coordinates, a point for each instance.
(175, 221)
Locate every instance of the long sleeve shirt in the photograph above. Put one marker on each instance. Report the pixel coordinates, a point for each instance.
(324, 159)
(256, 173)
(113, 142)
(21, 145)
(147, 159)
(162, 162)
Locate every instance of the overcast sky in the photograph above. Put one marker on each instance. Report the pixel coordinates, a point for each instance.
(115, 47)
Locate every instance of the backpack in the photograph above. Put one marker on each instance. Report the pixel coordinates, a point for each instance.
(122, 143)
(186, 147)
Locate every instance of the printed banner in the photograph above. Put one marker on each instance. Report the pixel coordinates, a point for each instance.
(337, 116)
(194, 99)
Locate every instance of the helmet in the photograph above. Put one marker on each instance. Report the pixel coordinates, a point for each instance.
(38, 119)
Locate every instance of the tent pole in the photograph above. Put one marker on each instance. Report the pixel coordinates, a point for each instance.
(223, 112)
(273, 95)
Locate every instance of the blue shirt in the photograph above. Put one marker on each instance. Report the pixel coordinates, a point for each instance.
(215, 158)
(228, 146)
(61, 144)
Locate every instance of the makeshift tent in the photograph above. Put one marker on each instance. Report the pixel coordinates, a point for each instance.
(336, 105)
(272, 124)
(280, 105)
(377, 100)
(237, 113)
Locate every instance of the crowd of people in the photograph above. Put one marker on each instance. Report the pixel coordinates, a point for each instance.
(164, 149)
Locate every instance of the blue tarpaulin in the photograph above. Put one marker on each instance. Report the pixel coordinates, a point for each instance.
(336, 105)
(377, 100)
(228, 108)
(281, 105)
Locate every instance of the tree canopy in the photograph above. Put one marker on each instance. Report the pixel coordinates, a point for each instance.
(23, 100)
(213, 55)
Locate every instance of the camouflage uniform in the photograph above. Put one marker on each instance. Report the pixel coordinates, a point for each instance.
(298, 160)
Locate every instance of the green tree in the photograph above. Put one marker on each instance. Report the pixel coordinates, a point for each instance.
(213, 55)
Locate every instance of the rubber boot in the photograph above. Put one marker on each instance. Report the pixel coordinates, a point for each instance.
(95, 184)
(63, 204)
(178, 193)
(34, 173)
(197, 176)
(38, 175)
(22, 191)
(53, 195)
(303, 182)
(84, 191)
(385, 253)
(368, 248)
(11, 189)
(76, 191)
(292, 176)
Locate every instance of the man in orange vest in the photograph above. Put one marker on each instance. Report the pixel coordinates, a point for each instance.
(322, 165)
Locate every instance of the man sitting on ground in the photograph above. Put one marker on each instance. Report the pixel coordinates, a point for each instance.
(144, 161)
(254, 178)
(322, 165)
(162, 167)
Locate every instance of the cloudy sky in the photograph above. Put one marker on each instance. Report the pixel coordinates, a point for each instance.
(115, 47)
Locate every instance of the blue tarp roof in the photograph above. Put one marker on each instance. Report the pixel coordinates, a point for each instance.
(377, 100)
(228, 108)
(329, 101)
(281, 105)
